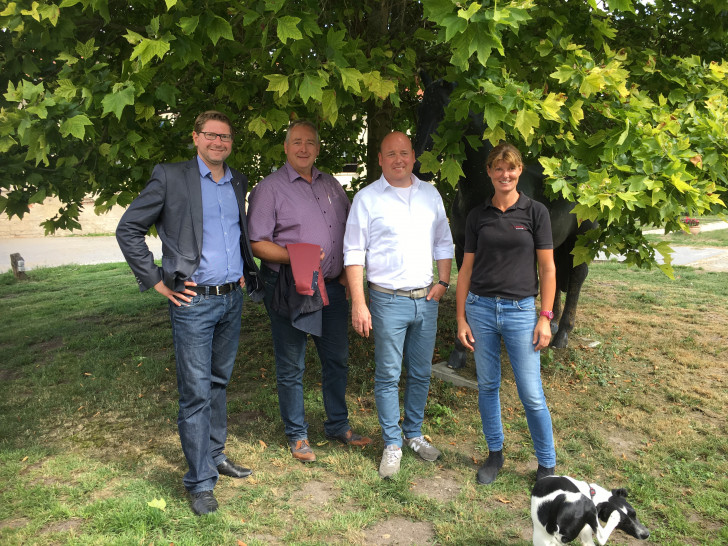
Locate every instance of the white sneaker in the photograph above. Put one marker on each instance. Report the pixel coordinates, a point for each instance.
(423, 448)
(391, 458)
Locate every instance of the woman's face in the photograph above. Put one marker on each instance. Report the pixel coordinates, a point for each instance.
(504, 176)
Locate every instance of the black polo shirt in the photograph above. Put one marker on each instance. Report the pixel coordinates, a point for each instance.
(505, 246)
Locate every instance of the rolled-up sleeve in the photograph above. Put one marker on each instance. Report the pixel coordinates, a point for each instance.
(442, 243)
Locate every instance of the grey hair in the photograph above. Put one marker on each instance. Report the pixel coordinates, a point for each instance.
(303, 123)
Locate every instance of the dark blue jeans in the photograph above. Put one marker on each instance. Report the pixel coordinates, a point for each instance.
(206, 333)
(332, 346)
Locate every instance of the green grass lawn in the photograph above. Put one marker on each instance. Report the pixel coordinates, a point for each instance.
(89, 448)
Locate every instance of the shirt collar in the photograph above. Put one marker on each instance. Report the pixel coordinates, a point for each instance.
(293, 173)
(381, 184)
(522, 202)
(205, 172)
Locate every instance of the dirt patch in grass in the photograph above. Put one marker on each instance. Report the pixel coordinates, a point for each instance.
(73, 524)
(314, 494)
(400, 531)
(15, 523)
(442, 487)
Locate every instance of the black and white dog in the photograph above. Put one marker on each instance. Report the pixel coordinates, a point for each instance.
(563, 509)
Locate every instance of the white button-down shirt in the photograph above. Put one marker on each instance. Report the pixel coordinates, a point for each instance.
(397, 237)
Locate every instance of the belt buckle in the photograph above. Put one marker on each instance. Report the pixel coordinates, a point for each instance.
(217, 290)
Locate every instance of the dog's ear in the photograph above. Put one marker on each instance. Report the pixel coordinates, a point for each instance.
(619, 492)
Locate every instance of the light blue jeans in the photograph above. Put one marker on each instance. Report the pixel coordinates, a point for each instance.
(404, 332)
(206, 332)
(491, 319)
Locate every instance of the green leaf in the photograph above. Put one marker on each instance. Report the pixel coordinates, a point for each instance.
(472, 10)
(86, 51)
(277, 83)
(288, 28)
(551, 106)
(350, 78)
(330, 106)
(116, 101)
(259, 126)
(526, 120)
(189, 24)
(563, 74)
(592, 83)
(311, 87)
(66, 89)
(620, 5)
(381, 87)
(75, 126)
(38, 197)
(451, 171)
(218, 28)
(577, 113)
(494, 113)
(50, 12)
(429, 162)
(167, 93)
(148, 49)
(170, 4)
(581, 255)
(161, 504)
(494, 134)
(7, 142)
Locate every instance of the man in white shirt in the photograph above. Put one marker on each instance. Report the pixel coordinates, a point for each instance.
(396, 227)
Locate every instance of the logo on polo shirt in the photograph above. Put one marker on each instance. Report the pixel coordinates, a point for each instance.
(518, 226)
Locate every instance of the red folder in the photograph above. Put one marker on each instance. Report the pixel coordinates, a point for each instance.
(306, 268)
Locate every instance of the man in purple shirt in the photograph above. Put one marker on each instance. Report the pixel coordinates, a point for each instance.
(300, 204)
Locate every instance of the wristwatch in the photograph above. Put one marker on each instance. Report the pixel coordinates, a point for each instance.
(548, 314)
(443, 283)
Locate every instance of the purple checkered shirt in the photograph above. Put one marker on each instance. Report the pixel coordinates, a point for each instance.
(285, 208)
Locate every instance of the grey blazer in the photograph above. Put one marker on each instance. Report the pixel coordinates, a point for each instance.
(172, 201)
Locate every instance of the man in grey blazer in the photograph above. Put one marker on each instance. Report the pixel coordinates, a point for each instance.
(198, 208)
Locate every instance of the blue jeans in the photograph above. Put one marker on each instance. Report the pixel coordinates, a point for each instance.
(404, 332)
(289, 344)
(206, 333)
(491, 319)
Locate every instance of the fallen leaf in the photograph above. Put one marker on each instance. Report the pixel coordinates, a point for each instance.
(24, 459)
(158, 503)
(241, 543)
(504, 501)
(263, 444)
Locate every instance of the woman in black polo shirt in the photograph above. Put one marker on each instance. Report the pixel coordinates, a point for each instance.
(506, 238)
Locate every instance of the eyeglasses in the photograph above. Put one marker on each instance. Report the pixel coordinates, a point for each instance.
(212, 136)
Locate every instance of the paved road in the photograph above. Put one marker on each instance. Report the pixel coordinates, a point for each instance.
(54, 251)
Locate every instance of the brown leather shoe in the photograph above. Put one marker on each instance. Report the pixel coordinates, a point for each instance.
(302, 451)
(351, 438)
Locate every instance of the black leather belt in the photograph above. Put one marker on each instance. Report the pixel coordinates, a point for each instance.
(219, 290)
(414, 294)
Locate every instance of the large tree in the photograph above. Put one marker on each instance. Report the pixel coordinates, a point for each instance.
(624, 102)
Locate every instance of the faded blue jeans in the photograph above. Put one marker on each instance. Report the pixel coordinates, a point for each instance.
(289, 344)
(491, 319)
(404, 333)
(206, 333)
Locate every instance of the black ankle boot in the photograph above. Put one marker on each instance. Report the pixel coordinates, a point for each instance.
(489, 471)
(543, 472)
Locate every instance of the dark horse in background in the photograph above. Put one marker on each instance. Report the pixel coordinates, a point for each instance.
(475, 187)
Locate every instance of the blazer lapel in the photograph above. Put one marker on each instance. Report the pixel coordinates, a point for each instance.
(192, 179)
